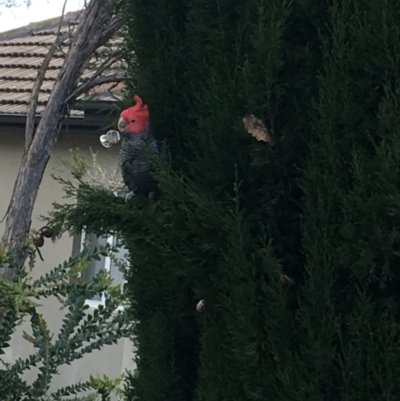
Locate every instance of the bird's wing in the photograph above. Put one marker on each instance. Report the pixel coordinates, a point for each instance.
(126, 168)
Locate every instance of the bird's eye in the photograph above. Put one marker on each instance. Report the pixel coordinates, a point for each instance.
(132, 121)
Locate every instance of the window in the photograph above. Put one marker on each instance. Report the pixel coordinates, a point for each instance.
(105, 263)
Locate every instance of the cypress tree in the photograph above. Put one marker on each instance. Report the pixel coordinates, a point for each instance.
(350, 231)
(292, 245)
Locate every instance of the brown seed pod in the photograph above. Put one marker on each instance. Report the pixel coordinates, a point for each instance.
(38, 240)
(46, 232)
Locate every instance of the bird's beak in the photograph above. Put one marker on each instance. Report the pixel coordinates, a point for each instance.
(121, 124)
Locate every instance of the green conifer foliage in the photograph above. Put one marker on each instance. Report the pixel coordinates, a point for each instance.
(349, 307)
(293, 246)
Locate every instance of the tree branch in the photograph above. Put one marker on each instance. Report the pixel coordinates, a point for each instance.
(98, 81)
(115, 23)
(94, 78)
(33, 101)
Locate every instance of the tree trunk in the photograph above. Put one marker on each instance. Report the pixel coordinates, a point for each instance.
(97, 26)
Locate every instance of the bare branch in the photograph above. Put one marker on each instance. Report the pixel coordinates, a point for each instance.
(33, 101)
(113, 27)
(62, 17)
(94, 79)
(107, 79)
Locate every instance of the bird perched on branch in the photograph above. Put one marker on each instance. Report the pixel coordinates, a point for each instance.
(138, 148)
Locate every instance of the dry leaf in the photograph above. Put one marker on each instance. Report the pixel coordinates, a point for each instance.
(256, 128)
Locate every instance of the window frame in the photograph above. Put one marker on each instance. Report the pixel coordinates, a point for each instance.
(92, 303)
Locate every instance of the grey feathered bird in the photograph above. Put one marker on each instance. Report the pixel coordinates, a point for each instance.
(137, 150)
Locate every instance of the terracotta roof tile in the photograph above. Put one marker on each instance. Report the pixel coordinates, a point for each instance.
(7, 84)
(21, 54)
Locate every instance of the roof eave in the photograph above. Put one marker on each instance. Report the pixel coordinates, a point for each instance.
(94, 121)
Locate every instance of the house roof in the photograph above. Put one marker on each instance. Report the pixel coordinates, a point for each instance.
(22, 52)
